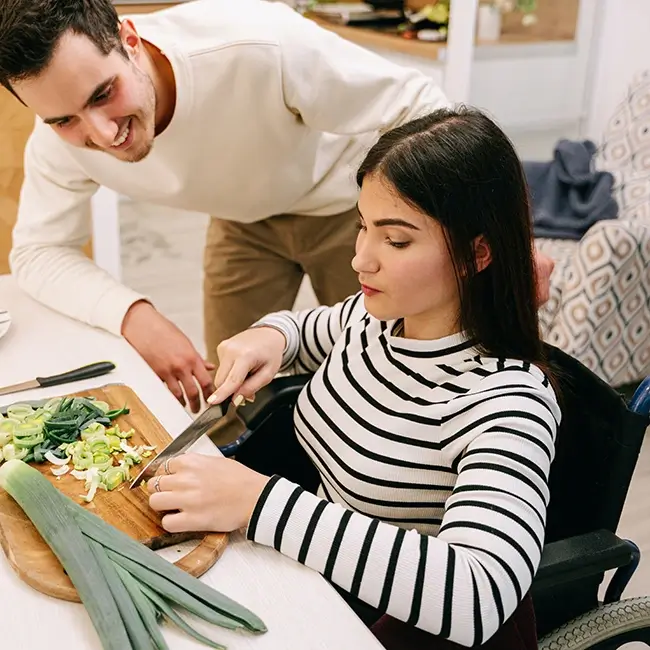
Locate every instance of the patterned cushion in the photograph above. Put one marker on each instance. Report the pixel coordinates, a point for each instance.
(599, 309)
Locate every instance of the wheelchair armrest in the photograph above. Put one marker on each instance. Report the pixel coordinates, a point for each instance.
(640, 402)
(577, 557)
(282, 391)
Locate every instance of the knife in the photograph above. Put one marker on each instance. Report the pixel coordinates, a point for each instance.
(204, 423)
(85, 372)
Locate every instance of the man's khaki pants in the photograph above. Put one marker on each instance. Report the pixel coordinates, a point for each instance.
(254, 269)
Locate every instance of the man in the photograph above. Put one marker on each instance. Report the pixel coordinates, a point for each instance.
(243, 110)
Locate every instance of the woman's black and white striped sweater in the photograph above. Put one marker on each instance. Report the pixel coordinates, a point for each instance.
(434, 463)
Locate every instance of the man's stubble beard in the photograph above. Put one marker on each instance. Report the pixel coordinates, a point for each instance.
(149, 126)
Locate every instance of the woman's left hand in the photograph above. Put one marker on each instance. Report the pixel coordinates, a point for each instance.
(205, 493)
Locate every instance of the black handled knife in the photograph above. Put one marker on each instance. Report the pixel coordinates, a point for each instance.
(85, 372)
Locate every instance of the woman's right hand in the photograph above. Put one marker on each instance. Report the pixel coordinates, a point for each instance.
(247, 362)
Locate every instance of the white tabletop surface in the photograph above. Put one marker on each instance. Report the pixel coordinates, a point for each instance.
(300, 609)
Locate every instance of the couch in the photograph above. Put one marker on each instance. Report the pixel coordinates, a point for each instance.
(599, 306)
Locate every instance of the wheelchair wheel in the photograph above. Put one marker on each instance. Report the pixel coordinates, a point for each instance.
(607, 627)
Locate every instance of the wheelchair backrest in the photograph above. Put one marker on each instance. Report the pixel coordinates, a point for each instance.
(597, 448)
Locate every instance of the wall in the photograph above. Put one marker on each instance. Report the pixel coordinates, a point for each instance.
(621, 49)
(538, 86)
(556, 20)
(16, 123)
(536, 90)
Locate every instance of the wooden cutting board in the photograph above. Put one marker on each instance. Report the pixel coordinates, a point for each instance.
(125, 509)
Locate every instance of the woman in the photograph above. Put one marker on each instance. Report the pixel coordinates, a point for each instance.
(430, 419)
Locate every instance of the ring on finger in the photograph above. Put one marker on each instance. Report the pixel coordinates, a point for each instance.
(156, 483)
(166, 466)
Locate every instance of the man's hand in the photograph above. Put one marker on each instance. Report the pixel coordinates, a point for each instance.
(544, 266)
(169, 352)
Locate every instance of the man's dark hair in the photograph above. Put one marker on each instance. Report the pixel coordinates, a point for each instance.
(30, 31)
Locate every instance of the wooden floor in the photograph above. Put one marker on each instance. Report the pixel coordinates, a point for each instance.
(635, 526)
(635, 523)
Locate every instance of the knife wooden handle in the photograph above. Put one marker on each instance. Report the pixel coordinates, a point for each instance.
(85, 372)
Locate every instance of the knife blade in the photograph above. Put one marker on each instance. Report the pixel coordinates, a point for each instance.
(85, 372)
(199, 427)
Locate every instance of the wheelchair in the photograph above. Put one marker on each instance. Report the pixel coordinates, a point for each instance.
(597, 448)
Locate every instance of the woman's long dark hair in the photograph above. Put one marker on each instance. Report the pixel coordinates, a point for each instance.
(459, 168)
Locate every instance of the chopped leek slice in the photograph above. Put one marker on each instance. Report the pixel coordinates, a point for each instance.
(50, 457)
(102, 461)
(114, 442)
(82, 459)
(92, 430)
(114, 477)
(19, 411)
(11, 452)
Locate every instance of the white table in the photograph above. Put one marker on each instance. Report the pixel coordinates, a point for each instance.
(300, 609)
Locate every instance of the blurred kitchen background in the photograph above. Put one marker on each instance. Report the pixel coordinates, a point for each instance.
(546, 69)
